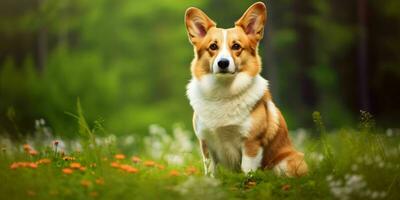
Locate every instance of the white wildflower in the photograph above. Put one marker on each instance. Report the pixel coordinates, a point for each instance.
(389, 132)
(129, 140)
(174, 159)
(200, 188)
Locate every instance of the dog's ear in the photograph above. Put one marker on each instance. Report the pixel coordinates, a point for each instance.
(253, 20)
(197, 24)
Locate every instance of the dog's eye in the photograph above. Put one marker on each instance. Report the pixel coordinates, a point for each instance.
(213, 46)
(236, 46)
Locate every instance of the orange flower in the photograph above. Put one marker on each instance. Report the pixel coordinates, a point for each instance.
(124, 167)
(149, 163)
(75, 165)
(23, 164)
(31, 193)
(86, 183)
(14, 165)
(115, 164)
(27, 147)
(191, 170)
(67, 171)
(43, 161)
(33, 165)
(286, 187)
(100, 181)
(160, 166)
(129, 169)
(174, 173)
(33, 152)
(94, 194)
(136, 159)
(82, 169)
(119, 156)
(133, 170)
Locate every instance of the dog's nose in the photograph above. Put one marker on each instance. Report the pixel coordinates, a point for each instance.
(223, 63)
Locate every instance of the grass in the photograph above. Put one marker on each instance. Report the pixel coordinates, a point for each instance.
(361, 163)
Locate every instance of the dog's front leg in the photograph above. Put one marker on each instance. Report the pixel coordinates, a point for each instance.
(252, 154)
(206, 156)
(208, 160)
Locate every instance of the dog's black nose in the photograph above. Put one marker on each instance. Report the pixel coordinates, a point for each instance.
(223, 63)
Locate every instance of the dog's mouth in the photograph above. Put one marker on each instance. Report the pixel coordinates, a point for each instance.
(225, 74)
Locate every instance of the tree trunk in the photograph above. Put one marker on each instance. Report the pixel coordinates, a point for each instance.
(304, 52)
(41, 49)
(362, 63)
(270, 70)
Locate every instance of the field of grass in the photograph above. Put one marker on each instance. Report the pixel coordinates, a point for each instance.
(359, 163)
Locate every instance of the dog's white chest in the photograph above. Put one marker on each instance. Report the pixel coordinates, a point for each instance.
(224, 122)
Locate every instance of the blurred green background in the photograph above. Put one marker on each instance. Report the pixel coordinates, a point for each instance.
(128, 61)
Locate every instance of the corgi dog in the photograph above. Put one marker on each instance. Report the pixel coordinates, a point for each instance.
(235, 120)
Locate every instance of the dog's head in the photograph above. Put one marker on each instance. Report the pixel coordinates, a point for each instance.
(226, 52)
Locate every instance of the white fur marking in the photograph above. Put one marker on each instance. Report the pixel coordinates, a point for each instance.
(273, 113)
(281, 168)
(251, 163)
(224, 54)
(239, 84)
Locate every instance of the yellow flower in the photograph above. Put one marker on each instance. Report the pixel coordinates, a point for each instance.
(66, 158)
(43, 161)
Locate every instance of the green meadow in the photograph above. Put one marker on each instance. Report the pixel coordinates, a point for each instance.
(359, 163)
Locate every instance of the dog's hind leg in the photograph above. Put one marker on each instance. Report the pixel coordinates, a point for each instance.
(292, 166)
